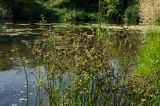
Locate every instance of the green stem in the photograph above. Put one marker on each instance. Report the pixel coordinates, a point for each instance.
(99, 14)
(26, 83)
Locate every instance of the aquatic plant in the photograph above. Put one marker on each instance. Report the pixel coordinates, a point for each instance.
(81, 55)
(79, 70)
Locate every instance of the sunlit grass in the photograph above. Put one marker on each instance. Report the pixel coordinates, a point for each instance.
(144, 81)
(149, 63)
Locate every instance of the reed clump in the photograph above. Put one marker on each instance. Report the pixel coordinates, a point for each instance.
(78, 69)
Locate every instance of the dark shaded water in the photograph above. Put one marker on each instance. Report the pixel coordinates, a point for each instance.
(12, 74)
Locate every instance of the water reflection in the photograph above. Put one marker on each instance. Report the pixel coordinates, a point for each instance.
(8, 52)
(13, 88)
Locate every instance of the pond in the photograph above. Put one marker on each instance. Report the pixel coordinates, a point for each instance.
(17, 45)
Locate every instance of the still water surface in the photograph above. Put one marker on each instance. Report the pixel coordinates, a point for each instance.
(12, 74)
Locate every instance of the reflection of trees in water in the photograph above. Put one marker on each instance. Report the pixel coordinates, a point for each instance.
(8, 53)
(127, 45)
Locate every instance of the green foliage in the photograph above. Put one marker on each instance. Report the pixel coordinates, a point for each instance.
(73, 15)
(114, 10)
(58, 10)
(131, 15)
(145, 83)
(4, 13)
(89, 6)
(67, 10)
(150, 58)
(31, 10)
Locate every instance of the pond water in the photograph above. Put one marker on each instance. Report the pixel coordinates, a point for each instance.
(12, 75)
(126, 47)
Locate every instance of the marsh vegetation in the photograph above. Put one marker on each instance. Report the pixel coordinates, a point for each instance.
(78, 63)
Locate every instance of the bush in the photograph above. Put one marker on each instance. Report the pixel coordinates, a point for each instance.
(158, 18)
(131, 15)
(4, 13)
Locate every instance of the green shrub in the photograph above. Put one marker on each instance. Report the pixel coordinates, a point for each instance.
(131, 15)
(4, 13)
